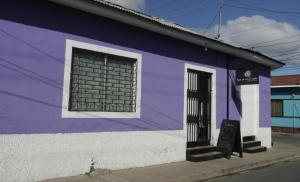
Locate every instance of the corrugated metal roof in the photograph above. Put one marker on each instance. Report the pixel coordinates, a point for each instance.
(150, 17)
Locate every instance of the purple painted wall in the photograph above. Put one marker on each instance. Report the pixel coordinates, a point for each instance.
(32, 49)
(265, 98)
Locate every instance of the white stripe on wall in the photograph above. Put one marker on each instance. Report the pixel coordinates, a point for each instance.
(250, 109)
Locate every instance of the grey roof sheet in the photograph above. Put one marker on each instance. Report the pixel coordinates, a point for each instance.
(151, 18)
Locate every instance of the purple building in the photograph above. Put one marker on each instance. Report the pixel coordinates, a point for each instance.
(87, 80)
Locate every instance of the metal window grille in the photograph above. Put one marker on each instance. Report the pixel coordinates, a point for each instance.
(102, 82)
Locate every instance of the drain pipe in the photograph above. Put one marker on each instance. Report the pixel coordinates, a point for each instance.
(227, 91)
(293, 95)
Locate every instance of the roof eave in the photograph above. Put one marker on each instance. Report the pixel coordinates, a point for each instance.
(141, 22)
(284, 86)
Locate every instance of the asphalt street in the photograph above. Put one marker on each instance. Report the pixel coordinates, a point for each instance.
(283, 172)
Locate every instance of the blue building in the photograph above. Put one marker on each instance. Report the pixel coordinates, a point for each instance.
(285, 103)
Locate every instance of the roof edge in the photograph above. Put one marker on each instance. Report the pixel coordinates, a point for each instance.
(284, 86)
(139, 21)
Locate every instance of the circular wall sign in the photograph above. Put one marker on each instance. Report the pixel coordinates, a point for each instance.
(247, 73)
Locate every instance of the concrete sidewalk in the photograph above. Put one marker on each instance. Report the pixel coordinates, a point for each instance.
(190, 171)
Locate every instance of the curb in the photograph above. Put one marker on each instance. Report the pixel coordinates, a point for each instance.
(234, 170)
(108, 176)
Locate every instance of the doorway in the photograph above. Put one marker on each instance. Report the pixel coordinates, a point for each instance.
(198, 107)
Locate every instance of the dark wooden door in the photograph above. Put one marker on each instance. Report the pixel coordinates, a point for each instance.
(198, 108)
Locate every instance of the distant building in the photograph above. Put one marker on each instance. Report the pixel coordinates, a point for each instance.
(285, 101)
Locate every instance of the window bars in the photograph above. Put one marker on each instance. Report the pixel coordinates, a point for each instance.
(102, 82)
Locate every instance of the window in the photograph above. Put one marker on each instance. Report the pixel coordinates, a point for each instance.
(100, 82)
(276, 108)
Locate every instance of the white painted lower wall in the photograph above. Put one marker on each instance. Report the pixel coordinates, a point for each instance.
(250, 115)
(43, 156)
(265, 136)
(215, 137)
(250, 109)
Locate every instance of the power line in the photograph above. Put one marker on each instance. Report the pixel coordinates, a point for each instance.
(277, 44)
(274, 40)
(53, 83)
(240, 22)
(256, 9)
(294, 64)
(182, 7)
(286, 54)
(167, 4)
(291, 58)
(212, 21)
(289, 54)
(252, 8)
(268, 10)
(270, 45)
(249, 29)
(261, 44)
(189, 12)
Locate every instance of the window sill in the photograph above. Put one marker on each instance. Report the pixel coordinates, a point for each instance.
(76, 114)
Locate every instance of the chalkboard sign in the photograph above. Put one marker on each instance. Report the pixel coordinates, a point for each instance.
(230, 138)
(246, 77)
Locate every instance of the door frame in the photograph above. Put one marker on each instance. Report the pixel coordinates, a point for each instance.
(212, 71)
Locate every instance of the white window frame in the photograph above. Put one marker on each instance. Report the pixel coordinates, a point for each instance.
(70, 44)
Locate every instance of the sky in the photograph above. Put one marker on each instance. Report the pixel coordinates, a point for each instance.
(271, 27)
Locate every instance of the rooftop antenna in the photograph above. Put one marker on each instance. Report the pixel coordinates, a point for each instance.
(220, 19)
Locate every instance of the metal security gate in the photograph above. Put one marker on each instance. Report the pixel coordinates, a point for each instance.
(198, 108)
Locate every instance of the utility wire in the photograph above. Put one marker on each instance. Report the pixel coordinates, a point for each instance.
(273, 40)
(256, 9)
(290, 57)
(194, 10)
(287, 53)
(290, 62)
(249, 30)
(212, 21)
(277, 44)
(167, 4)
(268, 10)
(182, 7)
(250, 8)
(294, 64)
